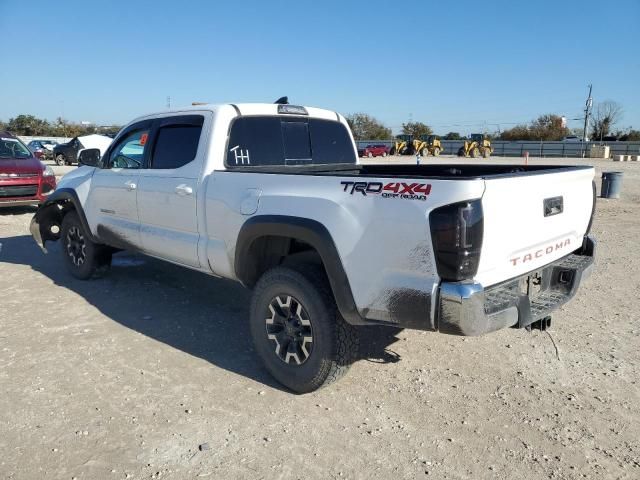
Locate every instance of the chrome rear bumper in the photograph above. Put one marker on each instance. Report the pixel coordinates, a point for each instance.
(470, 309)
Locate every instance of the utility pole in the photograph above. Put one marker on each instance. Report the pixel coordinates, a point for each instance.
(168, 102)
(587, 113)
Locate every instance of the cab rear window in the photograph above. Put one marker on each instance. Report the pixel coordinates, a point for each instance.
(270, 140)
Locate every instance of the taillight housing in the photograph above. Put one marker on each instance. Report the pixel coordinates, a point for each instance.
(456, 233)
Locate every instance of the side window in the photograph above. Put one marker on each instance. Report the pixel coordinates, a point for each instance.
(129, 152)
(176, 145)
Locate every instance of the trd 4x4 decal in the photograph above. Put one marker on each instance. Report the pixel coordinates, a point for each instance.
(409, 191)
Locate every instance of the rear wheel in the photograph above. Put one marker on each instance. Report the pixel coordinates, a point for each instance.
(461, 152)
(60, 159)
(369, 154)
(475, 152)
(425, 152)
(83, 258)
(436, 152)
(486, 153)
(384, 154)
(297, 330)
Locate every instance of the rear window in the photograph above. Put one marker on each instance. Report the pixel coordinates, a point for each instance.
(269, 140)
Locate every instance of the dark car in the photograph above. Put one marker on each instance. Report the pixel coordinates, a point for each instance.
(67, 153)
(24, 180)
(42, 148)
(373, 151)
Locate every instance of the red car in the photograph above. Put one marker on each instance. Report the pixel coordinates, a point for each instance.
(24, 180)
(374, 151)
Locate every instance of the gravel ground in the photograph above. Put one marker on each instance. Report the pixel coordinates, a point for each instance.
(125, 377)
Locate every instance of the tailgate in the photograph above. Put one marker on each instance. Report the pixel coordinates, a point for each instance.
(531, 220)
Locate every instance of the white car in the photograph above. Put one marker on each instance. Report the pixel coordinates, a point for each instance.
(573, 138)
(273, 196)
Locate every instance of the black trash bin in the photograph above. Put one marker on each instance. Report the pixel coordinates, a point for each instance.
(611, 184)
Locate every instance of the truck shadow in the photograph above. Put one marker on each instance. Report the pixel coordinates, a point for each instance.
(201, 315)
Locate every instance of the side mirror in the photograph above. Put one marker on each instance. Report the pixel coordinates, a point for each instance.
(90, 157)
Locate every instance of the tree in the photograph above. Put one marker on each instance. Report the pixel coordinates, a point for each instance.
(605, 116)
(366, 127)
(416, 129)
(452, 136)
(28, 125)
(545, 127)
(630, 136)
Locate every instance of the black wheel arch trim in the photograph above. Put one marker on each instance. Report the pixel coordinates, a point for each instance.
(309, 231)
(51, 212)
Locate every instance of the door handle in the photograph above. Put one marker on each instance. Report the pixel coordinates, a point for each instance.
(130, 185)
(184, 190)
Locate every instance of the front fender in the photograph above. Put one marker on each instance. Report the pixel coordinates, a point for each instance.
(46, 223)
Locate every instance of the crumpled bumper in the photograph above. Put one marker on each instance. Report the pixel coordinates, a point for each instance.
(470, 309)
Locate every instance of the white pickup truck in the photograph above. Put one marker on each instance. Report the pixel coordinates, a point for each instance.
(272, 195)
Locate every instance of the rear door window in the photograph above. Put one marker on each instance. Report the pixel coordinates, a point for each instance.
(271, 140)
(176, 142)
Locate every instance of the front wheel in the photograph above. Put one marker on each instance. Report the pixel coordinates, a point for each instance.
(297, 330)
(436, 152)
(83, 258)
(60, 160)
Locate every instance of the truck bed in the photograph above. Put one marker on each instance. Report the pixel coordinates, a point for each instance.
(439, 171)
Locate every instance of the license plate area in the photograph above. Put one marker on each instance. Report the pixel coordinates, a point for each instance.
(531, 285)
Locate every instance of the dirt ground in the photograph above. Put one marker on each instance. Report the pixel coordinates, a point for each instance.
(126, 376)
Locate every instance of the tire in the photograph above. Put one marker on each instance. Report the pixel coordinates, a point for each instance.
(369, 154)
(436, 152)
(425, 152)
(296, 307)
(83, 258)
(461, 152)
(392, 151)
(486, 153)
(60, 160)
(475, 152)
(384, 154)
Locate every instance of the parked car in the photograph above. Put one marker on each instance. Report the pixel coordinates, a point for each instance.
(374, 151)
(572, 139)
(24, 180)
(42, 149)
(272, 196)
(67, 153)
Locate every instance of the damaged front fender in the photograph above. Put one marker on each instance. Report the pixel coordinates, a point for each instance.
(45, 224)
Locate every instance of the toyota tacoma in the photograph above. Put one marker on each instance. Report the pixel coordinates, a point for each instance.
(273, 196)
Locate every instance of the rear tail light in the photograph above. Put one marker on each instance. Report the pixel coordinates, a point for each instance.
(456, 233)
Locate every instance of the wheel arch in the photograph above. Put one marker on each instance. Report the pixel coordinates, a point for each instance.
(266, 241)
(50, 214)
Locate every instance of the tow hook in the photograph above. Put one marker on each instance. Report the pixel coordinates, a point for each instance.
(543, 324)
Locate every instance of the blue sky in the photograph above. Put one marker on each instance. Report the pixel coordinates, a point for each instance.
(461, 66)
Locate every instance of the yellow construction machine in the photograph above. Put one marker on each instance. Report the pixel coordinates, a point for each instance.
(402, 146)
(425, 145)
(429, 145)
(478, 144)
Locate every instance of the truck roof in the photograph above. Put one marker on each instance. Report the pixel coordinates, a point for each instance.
(248, 109)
